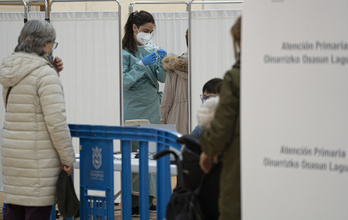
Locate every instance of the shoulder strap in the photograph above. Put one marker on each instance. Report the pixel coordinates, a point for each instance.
(7, 95)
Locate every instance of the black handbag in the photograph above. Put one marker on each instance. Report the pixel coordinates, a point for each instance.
(192, 173)
(68, 203)
(207, 186)
(184, 203)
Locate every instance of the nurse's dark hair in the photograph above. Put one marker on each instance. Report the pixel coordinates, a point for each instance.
(236, 34)
(213, 86)
(138, 18)
(34, 35)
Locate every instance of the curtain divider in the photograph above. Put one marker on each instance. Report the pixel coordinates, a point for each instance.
(19, 1)
(189, 9)
(119, 46)
(46, 7)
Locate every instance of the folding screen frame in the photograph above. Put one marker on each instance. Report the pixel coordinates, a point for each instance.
(48, 13)
(131, 6)
(190, 50)
(189, 39)
(119, 44)
(46, 7)
(9, 2)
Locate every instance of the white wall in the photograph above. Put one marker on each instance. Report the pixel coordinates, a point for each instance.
(293, 112)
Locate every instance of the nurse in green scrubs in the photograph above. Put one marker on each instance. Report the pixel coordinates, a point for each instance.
(142, 70)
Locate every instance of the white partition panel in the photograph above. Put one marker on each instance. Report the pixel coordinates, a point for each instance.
(212, 50)
(170, 31)
(10, 27)
(294, 110)
(88, 45)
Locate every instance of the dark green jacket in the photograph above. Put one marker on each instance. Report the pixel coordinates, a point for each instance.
(224, 137)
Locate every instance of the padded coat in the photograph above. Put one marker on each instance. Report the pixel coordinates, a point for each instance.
(36, 140)
(174, 104)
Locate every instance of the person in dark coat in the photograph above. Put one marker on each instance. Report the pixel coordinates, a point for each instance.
(223, 136)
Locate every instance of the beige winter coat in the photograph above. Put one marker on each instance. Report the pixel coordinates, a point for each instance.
(36, 139)
(174, 104)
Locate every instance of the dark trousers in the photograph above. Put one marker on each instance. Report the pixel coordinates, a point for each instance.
(18, 212)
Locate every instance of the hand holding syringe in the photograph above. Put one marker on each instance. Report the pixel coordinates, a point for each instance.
(152, 57)
(155, 49)
(162, 53)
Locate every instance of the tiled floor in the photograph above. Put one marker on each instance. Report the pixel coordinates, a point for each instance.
(117, 212)
(117, 207)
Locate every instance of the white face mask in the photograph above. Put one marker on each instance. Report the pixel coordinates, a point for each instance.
(144, 38)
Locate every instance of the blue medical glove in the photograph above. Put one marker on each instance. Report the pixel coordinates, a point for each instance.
(162, 53)
(149, 59)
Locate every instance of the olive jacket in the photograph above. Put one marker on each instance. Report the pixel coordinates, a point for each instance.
(223, 136)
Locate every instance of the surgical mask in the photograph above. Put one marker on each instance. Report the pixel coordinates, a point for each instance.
(144, 38)
(50, 56)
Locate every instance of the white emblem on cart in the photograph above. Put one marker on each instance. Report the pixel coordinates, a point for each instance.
(97, 157)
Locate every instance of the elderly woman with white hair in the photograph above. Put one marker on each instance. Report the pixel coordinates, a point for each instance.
(36, 141)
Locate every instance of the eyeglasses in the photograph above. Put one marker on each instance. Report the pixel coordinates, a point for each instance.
(205, 97)
(55, 45)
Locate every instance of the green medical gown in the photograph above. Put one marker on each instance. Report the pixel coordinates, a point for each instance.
(141, 97)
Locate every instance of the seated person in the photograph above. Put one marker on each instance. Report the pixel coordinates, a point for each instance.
(210, 89)
(193, 176)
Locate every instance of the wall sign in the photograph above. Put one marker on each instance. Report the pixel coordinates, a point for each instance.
(294, 110)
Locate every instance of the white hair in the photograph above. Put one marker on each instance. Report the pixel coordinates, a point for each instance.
(34, 35)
